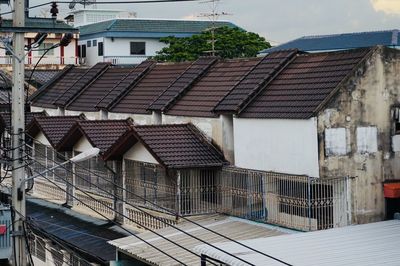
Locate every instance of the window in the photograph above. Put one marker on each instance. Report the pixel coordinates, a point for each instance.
(367, 139)
(138, 48)
(43, 48)
(89, 43)
(83, 52)
(79, 51)
(94, 43)
(336, 143)
(100, 49)
(396, 129)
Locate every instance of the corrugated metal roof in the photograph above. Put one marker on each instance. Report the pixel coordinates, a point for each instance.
(235, 228)
(368, 244)
(340, 41)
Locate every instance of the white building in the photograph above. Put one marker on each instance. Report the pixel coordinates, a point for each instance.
(132, 40)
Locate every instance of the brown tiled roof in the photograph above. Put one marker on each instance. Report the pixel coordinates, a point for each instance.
(75, 87)
(304, 85)
(88, 98)
(179, 146)
(149, 88)
(101, 134)
(5, 119)
(259, 76)
(201, 99)
(46, 95)
(53, 127)
(182, 83)
(121, 88)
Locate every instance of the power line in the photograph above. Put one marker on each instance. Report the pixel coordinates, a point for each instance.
(94, 210)
(155, 217)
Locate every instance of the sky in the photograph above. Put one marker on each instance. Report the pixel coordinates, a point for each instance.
(277, 20)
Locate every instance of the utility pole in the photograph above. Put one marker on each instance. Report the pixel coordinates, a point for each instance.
(18, 129)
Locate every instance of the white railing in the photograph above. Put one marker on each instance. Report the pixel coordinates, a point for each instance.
(46, 60)
(125, 60)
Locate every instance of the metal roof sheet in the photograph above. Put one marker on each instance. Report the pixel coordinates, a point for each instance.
(340, 41)
(368, 244)
(235, 228)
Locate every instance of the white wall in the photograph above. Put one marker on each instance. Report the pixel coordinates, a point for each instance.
(40, 137)
(49, 111)
(82, 145)
(287, 146)
(89, 115)
(139, 153)
(92, 56)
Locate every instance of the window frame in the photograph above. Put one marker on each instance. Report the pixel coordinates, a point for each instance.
(132, 48)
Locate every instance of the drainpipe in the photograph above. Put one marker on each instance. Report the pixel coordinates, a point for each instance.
(228, 137)
(156, 118)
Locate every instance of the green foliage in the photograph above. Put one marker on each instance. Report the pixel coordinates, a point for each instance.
(229, 43)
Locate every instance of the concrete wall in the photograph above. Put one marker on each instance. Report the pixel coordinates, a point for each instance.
(49, 111)
(137, 118)
(41, 138)
(82, 145)
(139, 153)
(211, 127)
(92, 56)
(363, 109)
(286, 146)
(89, 115)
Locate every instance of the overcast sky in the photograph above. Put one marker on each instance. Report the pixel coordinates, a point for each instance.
(279, 20)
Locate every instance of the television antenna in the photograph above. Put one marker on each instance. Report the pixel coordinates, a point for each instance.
(213, 16)
(82, 2)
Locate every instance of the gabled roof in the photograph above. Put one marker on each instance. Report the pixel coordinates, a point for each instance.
(101, 134)
(139, 97)
(342, 41)
(54, 88)
(173, 146)
(53, 127)
(87, 99)
(205, 94)
(33, 24)
(302, 87)
(183, 83)
(5, 119)
(150, 28)
(121, 87)
(256, 79)
(41, 76)
(76, 87)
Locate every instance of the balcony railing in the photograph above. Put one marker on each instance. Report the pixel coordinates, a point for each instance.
(125, 60)
(46, 60)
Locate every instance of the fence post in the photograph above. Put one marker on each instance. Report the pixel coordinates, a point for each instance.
(309, 203)
(124, 195)
(264, 196)
(178, 193)
(349, 200)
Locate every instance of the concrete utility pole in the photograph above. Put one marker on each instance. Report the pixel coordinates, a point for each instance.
(18, 128)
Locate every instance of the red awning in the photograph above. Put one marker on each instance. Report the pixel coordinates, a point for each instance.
(391, 190)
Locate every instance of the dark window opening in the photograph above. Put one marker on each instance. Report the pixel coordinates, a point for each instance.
(83, 52)
(89, 43)
(397, 128)
(100, 49)
(79, 51)
(138, 48)
(94, 43)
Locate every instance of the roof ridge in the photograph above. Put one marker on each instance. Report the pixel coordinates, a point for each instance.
(84, 85)
(123, 79)
(59, 75)
(178, 95)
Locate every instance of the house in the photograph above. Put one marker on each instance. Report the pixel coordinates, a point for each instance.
(58, 56)
(311, 116)
(342, 41)
(132, 41)
(86, 16)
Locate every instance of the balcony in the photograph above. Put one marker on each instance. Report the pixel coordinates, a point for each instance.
(47, 60)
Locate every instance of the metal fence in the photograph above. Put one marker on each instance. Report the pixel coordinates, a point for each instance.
(298, 202)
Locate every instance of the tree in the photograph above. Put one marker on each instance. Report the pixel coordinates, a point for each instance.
(229, 43)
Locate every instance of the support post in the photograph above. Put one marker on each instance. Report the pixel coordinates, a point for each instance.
(178, 194)
(18, 128)
(156, 118)
(228, 144)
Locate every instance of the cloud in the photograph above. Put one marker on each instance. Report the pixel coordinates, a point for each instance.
(387, 6)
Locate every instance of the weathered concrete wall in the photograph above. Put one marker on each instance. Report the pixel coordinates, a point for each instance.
(88, 115)
(138, 119)
(49, 111)
(363, 108)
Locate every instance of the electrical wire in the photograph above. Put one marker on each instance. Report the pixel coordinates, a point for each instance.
(169, 211)
(111, 221)
(106, 3)
(178, 229)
